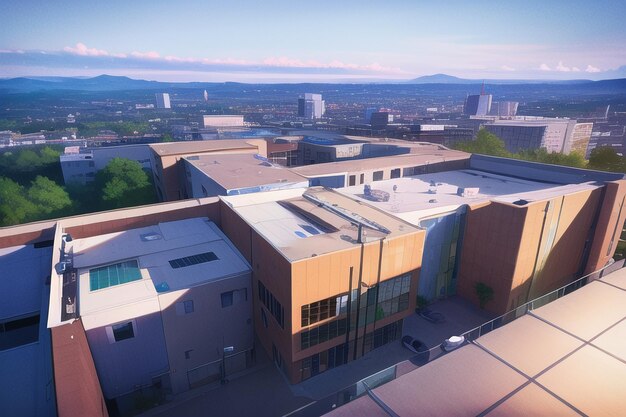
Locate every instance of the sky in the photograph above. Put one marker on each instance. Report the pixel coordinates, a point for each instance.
(313, 41)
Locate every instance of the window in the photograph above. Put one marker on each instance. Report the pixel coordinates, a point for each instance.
(123, 331)
(18, 332)
(111, 275)
(227, 299)
(321, 310)
(193, 260)
(395, 173)
(352, 180)
(362, 179)
(204, 191)
(184, 307)
(234, 297)
(264, 318)
(272, 304)
(323, 333)
(378, 176)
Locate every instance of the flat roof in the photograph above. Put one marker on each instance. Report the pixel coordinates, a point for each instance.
(152, 248)
(179, 148)
(24, 271)
(419, 157)
(413, 200)
(294, 223)
(565, 358)
(233, 171)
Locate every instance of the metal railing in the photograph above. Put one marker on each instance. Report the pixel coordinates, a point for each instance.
(370, 382)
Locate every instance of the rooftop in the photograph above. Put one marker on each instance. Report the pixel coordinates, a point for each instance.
(233, 171)
(180, 148)
(120, 274)
(419, 156)
(298, 227)
(565, 358)
(419, 196)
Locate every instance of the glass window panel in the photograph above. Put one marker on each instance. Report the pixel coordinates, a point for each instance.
(397, 287)
(332, 329)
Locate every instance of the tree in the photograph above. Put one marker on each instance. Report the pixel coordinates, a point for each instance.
(123, 184)
(14, 206)
(49, 198)
(573, 159)
(486, 143)
(606, 159)
(484, 293)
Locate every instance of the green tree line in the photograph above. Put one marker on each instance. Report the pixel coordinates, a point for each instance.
(122, 183)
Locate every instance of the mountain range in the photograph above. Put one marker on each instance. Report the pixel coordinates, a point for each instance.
(119, 83)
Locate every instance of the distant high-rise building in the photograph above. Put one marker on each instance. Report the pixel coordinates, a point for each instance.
(555, 135)
(163, 101)
(477, 105)
(368, 113)
(380, 119)
(506, 108)
(311, 106)
(206, 96)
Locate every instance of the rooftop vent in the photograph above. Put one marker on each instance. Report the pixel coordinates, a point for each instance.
(520, 202)
(148, 237)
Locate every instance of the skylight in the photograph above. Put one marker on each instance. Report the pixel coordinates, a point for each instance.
(112, 275)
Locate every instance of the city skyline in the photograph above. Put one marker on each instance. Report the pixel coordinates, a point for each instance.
(284, 42)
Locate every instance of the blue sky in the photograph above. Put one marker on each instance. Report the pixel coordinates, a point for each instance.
(294, 40)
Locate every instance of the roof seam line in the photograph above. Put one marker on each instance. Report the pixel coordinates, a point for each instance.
(531, 379)
(612, 285)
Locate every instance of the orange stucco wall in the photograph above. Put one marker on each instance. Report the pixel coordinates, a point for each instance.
(609, 225)
(523, 252)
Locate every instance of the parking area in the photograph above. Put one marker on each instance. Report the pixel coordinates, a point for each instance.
(459, 314)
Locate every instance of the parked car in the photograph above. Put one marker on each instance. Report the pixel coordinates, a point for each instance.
(413, 345)
(432, 316)
(452, 343)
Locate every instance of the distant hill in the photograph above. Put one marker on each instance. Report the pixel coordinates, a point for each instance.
(99, 83)
(435, 84)
(449, 79)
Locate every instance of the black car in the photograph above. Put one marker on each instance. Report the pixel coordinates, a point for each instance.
(413, 345)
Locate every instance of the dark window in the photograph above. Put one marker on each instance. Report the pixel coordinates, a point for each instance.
(227, 299)
(352, 180)
(272, 304)
(234, 297)
(19, 332)
(321, 334)
(362, 179)
(193, 260)
(123, 331)
(378, 176)
(395, 173)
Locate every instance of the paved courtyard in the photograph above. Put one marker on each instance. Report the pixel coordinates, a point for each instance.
(264, 391)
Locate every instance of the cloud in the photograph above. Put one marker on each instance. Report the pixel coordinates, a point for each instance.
(544, 67)
(562, 68)
(591, 68)
(145, 55)
(507, 68)
(82, 50)
(83, 56)
(575, 69)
